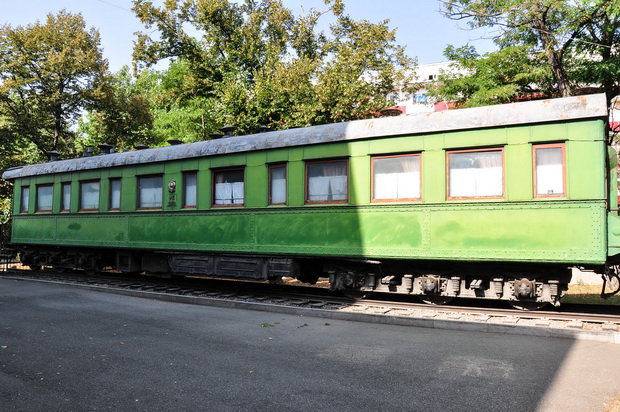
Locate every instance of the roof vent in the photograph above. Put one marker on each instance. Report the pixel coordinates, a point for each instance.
(88, 152)
(228, 130)
(174, 142)
(264, 129)
(216, 135)
(392, 111)
(52, 155)
(106, 148)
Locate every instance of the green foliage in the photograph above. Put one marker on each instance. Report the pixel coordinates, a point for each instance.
(49, 73)
(499, 77)
(122, 116)
(254, 63)
(575, 40)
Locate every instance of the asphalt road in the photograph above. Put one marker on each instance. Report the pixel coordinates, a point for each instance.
(67, 349)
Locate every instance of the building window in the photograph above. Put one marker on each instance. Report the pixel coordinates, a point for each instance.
(277, 184)
(65, 201)
(228, 187)
(476, 173)
(25, 198)
(327, 182)
(396, 178)
(115, 194)
(190, 184)
(549, 170)
(89, 195)
(45, 195)
(150, 192)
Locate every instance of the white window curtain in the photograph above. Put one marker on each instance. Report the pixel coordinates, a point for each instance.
(278, 185)
(229, 187)
(476, 174)
(151, 192)
(66, 196)
(44, 197)
(115, 194)
(327, 182)
(396, 178)
(25, 199)
(549, 171)
(89, 199)
(189, 190)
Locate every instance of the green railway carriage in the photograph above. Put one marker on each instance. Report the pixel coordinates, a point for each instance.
(497, 202)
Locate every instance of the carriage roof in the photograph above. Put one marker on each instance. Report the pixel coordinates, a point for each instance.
(531, 112)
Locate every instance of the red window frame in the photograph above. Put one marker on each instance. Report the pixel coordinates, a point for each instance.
(213, 182)
(372, 179)
(277, 166)
(185, 174)
(82, 182)
(62, 197)
(36, 201)
(492, 197)
(328, 202)
(112, 181)
(23, 207)
(534, 171)
(139, 178)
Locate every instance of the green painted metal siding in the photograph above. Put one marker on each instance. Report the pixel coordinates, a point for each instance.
(545, 231)
(518, 227)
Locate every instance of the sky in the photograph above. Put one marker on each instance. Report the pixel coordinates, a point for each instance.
(419, 27)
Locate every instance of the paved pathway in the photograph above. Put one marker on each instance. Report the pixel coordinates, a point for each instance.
(67, 349)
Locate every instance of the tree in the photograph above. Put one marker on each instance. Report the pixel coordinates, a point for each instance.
(577, 39)
(500, 77)
(121, 116)
(257, 64)
(49, 72)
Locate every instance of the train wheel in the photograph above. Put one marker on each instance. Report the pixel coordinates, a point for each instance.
(436, 300)
(525, 305)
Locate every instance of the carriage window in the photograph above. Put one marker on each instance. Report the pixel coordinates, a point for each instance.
(44, 198)
(25, 198)
(150, 192)
(89, 195)
(189, 189)
(477, 173)
(396, 178)
(549, 170)
(66, 197)
(277, 184)
(228, 187)
(115, 194)
(327, 182)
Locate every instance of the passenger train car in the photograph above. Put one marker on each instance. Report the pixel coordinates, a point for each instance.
(494, 202)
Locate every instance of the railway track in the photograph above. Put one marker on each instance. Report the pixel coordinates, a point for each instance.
(594, 322)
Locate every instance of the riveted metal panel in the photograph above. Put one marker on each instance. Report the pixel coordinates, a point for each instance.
(549, 231)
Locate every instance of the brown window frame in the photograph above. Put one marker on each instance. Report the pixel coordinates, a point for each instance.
(62, 196)
(36, 200)
(139, 179)
(372, 179)
(534, 171)
(120, 191)
(185, 174)
(82, 182)
(213, 183)
(21, 199)
(277, 166)
(326, 202)
(488, 149)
